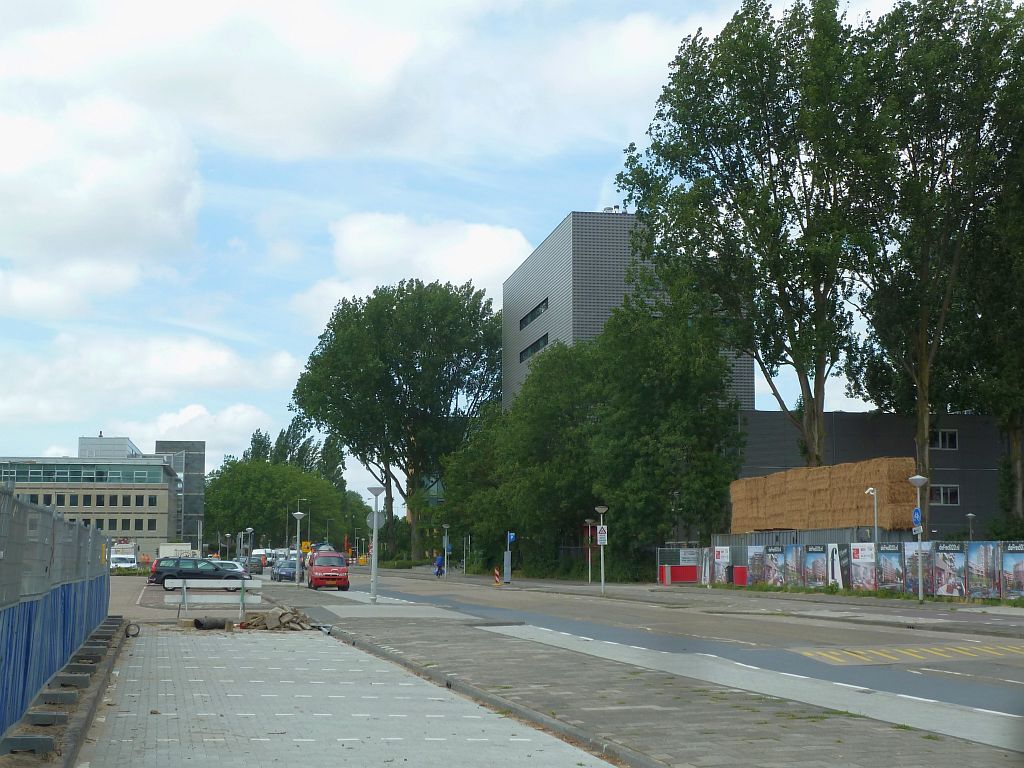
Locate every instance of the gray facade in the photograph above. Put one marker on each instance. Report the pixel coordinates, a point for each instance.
(566, 291)
(188, 457)
(966, 477)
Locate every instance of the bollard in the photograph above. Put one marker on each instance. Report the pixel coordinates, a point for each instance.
(497, 577)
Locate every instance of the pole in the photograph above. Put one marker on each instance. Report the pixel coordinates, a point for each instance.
(602, 557)
(920, 556)
(874, 496)
(376, 491)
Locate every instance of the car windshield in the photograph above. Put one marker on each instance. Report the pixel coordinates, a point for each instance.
(288, 564)
(335, 560)
(122, 559)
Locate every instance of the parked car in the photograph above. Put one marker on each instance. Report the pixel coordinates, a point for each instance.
(255, 564)
(192, 568)
(283, 570)
(119, 562)
(328, 569)
(232, 565)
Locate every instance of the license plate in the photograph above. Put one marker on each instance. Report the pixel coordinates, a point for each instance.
(331, 581)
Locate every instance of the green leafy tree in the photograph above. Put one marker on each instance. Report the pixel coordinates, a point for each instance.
(940, 71)
(259, 447)
(398, 378)
(746, 188)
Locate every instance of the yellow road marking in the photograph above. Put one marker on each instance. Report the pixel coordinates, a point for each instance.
(986, 649)
(832, 656)
(965, 653)
(884, 655)
(1011, 648)
(937, 653)
(856, 654)
(910, 653)
(809, 654)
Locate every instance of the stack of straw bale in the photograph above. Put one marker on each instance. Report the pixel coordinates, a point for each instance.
(826, 497)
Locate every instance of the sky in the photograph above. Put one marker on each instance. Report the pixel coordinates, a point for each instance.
(189, 188)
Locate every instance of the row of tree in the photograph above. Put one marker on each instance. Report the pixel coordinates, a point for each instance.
(295, 473)
(849, 197)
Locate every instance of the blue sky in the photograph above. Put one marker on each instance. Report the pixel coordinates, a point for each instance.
(189, 188)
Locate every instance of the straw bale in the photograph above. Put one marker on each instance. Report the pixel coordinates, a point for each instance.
(825, 497)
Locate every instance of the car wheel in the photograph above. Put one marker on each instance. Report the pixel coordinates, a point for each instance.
(343, 588)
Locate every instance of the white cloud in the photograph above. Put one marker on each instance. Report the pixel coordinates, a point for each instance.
(372, 249)
(226, 431)
(84, 373)
(58, 451)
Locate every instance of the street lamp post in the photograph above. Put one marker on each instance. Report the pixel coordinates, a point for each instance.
(874, 496)
(590, 543)
(249, 537)
(444, 544)
(970, 524)
(229, 545)
(918, 481)
(298, 515)
(376, 490)
(600, 513)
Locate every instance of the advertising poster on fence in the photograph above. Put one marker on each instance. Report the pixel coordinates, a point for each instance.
(862, 566)
(794, 561)
(774, 565)
(722, 563)
(948, 577)
(890, 566)
(815, 568)
(982, 569)
(835, 566)
(911, 555)
(1013, 569)
(755, 564)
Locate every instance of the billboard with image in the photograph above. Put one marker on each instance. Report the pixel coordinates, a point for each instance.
(862, 566)
(815, 565)
(755, 564)
(774, 565)
(890, 566)
(915, 553)
(948, 569)
(1012, 569)
(722, 561)
(983, 569)
(794, 576)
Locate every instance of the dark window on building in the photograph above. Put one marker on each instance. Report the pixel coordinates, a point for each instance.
(533, 314)
(126, 500)
(943, 440)
(533, 349)
(126, 524)
(101, 500)
(140, 500)
(86, 499)
(112, 523)
(33, 498)
(61, 498)
(113, 499)
(945, 495)
(152, 501)
(99, 523)
(73, 501)
(86, 521)
(138, 523)
(47, 499)
(151, 524)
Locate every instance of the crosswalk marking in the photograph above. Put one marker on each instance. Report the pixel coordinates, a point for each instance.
(902, 654)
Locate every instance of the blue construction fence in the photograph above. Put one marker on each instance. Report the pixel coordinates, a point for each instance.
(54, 591)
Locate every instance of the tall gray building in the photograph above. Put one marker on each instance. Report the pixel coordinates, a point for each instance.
(566, 291)
(188, 457)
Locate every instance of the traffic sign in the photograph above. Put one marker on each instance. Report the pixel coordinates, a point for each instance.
(511, 536)
(917, 515)
(380, 520)
(918, 530)
(602, 535)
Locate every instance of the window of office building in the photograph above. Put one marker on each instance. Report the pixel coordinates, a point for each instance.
(101, 500)
(99, 523)
(139, 500)
(47, 499)
(943, 440)
(945, 495)
(113, 499)
(126, 524)
(33, 498)
(533, 314)
(73, 501)
(112, 523)
(61, 499)
(138, 523)
(87, 500)
(86, 522)
(151, 524)
(533, 349)
(152, 501)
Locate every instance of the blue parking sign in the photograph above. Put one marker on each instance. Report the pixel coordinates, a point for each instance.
(917, 515)
(511, 536)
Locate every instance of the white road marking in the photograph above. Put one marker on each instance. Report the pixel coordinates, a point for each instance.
(791, 674)
(855, 687)
(748, 666)
(915, 698)
(994, 712)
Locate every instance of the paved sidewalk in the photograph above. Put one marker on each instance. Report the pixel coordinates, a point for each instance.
(283, 698)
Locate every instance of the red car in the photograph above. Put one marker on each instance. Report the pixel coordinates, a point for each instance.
(328, 569)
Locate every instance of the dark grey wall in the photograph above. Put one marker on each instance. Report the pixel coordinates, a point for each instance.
(190, 461)
(772, 446)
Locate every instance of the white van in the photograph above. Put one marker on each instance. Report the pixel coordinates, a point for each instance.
(118, 562)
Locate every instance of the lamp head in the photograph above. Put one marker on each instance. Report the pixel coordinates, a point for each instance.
(917, 480)
(298, 515)
(872, 491)
(376, 490)
(971, 515)
(248, 530)
(601, 510)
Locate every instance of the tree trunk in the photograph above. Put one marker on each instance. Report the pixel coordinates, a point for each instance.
(923, 433)
(814, 433)
(1016, 435)
(412, 514)
(389, 513)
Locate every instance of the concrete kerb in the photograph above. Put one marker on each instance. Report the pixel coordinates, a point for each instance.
(501, 704)
(80, 722)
